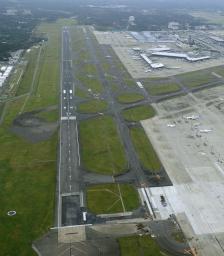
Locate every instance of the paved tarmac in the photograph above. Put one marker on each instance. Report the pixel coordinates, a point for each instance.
(69, 195)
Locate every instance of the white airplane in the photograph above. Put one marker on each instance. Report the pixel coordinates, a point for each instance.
(205, 130)
(171, 125)
(193, 117)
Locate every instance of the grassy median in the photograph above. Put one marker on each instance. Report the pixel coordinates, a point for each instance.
(138, 113)
(146, 153)
(163, 88)
(197, 78)
(92, 106)
(112, 198)
(130, 98)
(101, 148)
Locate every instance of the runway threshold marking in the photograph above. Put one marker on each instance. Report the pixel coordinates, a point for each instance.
(68, 118)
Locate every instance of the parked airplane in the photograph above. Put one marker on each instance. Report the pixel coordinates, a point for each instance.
(171, 125)
(192, 117)
(205, 130)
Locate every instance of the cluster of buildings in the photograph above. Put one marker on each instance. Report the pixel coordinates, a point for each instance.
(6, 69)
(167, 45)
(168, 53)
(154, 37)
(4, 74)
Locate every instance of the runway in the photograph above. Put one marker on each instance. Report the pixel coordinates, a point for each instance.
(70, 199)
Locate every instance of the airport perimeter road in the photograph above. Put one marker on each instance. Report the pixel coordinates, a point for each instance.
(69, 196)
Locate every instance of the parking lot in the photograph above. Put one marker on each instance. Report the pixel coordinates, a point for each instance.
(187, 134)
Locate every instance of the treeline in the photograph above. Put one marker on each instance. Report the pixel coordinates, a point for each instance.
(104, 19)
(16, 30)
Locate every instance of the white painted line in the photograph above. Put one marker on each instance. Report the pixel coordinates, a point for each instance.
(84, 216)
(83, 225)
(77, 135)
(219, 168)
(140, 85)
(81, 199)
(147, 201)
(68, 118)
(59, 174)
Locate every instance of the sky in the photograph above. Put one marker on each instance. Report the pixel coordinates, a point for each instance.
(195, 4)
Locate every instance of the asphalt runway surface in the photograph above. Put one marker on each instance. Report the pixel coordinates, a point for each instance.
(69, 195)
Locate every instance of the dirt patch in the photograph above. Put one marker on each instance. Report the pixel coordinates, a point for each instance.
(33, 128)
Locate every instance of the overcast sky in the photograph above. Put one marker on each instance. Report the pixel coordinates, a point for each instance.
(198, 4)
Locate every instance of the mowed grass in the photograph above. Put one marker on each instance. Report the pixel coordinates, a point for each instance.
(49, 116)
(209, 16)
(101, 148)
(92, 106)
(197, 78)
(91, 83)
(27, 180)
(89, 69)
(27, 170)
(112, 198)
(162, 88)
(138, 113)
(47, 89)
(145, 151)
(218, 70)
(27, 77)
(81, 93)
(139, 246)
(130, 98)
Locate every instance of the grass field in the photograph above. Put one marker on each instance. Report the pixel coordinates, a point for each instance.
(139, 246)
(26, 81)
(218, 70)
(112, 198)
(147, 155)
(81, 93)
(162, 88)
(130, 97)
(27, 170)
(138, 113)
(211, 17)
(46, 92)
(92, 106)
(101, 148)
(89, 69)
(91, 83)
(85, 71)
(197, 78)
(50, 116)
